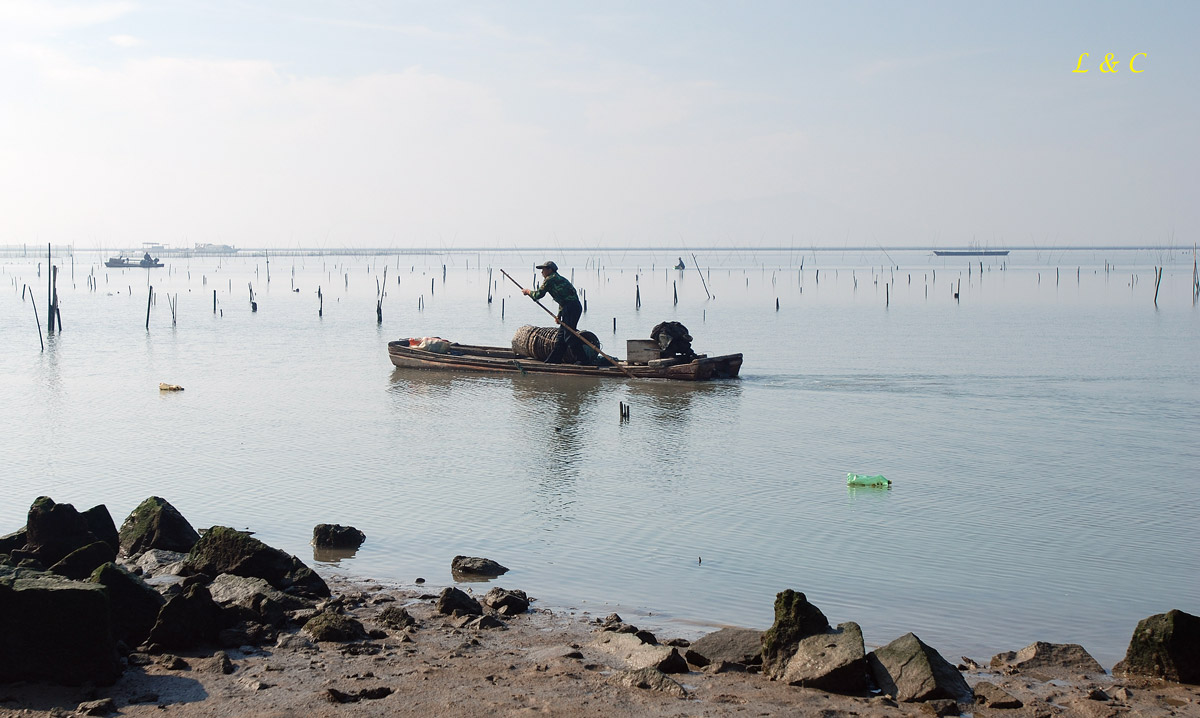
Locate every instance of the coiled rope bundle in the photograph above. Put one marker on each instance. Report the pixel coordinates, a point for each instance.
(538, 343)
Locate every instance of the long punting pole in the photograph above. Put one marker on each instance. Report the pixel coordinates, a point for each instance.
(696, 264)
(577, 334)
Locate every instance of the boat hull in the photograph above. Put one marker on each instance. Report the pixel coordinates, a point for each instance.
(468, 358)
(130, 264)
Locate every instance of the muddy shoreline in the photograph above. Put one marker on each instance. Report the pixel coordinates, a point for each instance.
(541, 662)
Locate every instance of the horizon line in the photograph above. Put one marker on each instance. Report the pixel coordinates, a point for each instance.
(235, 251)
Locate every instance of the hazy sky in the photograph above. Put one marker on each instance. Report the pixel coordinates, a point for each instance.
(285, 123)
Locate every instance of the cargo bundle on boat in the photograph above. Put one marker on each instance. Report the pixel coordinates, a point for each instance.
(666, 355)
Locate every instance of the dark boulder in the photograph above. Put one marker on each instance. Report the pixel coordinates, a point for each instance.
(334, 627)
(102, 707)
(506, 602)
(454, 602)
(835, 662)
(54, 629)
(80, 563)
(472, 566)
(134, 605)
(54, 530)
(909, 670)
(991, 695)
(1165, 645)
(253, 599)
(157, 562)
(734, 645)
(396, 617)
(484, 622)
(650, 679)
(188, 620)
(155, 523)
(1048, 661)
(13, 541)
(795, 618)
(337, 536)
(225, 550)
(100, 523)
(635, 654)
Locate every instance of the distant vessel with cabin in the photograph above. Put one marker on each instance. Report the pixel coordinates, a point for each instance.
(209, 248)
(971, 252)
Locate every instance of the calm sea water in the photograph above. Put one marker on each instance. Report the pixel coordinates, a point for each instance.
(1040, 431)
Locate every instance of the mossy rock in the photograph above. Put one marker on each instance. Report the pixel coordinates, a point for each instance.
(188, 620)
(54, 629)
(226, 550)
(1165, 645)
(334, 627)
(155, 523)
(795, 619)
(80, 563)
(134, 604)
(13, 541)
(100, 523)
(55, 530)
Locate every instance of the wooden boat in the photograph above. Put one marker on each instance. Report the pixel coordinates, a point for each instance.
(125, 262)
(470, 358)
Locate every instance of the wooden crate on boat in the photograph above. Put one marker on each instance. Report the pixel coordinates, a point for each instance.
(641, 351)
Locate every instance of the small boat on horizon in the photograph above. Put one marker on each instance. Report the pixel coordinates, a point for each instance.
(971, 252)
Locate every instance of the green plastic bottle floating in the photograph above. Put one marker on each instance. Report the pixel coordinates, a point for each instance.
(864, 480)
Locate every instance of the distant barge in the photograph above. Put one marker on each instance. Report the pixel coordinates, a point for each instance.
(970, 252)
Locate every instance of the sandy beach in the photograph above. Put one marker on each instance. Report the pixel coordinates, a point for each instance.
(536, 663)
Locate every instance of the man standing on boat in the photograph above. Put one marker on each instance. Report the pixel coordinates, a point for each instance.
(569, 311)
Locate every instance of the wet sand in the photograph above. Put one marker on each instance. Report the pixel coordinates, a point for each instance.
(540, 663)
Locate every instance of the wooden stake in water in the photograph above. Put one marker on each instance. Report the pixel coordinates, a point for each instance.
(1157, 281)
(55, 316)
(35, 317)
(49, 290)
(149, 296)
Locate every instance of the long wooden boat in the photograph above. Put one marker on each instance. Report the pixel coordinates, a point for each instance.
(470, 358)
(125, 263)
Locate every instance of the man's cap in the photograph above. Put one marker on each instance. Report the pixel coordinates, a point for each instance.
(548, 265)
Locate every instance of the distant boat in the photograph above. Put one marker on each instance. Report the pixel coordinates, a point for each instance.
(146, 262)
(209, 248)
(970, 252)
